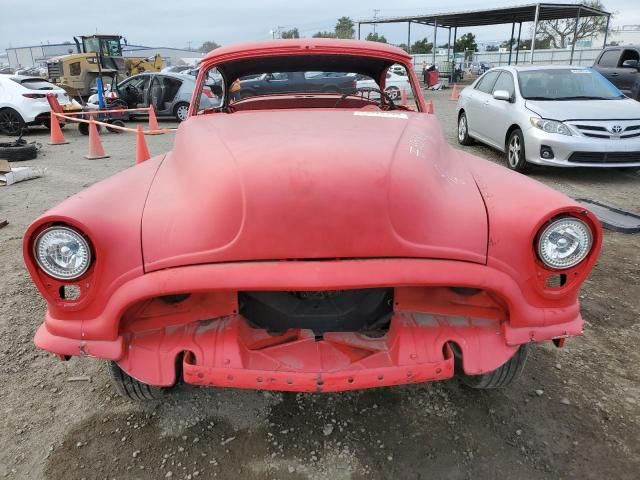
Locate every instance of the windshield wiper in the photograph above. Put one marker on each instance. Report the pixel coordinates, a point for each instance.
(585, 97)
(539, 98)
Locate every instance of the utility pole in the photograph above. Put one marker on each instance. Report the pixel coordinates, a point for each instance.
(376, 11)
(189, 45)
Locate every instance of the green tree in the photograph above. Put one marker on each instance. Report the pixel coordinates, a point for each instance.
(491, 48)
(376, 37)
(467, 43)
(324, 35)
(344, 28)
(559, 33)
(208, 46)
(422, 46)
(293, 33)
(526, 44)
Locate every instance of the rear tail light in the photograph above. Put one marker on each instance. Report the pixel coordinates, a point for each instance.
(34, 95)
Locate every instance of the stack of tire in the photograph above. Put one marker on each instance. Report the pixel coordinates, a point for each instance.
(18, 150)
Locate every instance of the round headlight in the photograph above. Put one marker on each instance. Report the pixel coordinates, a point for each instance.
(564, 243)
(62, 253)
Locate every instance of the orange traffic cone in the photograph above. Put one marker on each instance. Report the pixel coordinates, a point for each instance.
(454, 93)
(430, 106)
(142, 152)
(95, 145)
(153, 121)
(57, 138)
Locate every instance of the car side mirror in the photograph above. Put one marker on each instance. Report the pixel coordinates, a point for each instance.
(630, 64)
(502, 95)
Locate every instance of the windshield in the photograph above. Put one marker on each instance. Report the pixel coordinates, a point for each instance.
(35, 84)
(108, 47)
(293, 82)
(566, 84)
(340, 89)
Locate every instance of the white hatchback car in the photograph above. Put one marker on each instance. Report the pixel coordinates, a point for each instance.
(23, 102)
(563, 116)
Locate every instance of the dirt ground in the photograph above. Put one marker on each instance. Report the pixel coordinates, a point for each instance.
(575, 413)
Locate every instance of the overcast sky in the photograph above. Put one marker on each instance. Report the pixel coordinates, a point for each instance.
(180, 23)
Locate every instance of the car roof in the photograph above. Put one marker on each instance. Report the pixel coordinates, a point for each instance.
(21, 78)
(178, 75)
(525, 68)
(308, 45)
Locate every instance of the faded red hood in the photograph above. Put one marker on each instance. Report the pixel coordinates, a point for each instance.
(311, 184)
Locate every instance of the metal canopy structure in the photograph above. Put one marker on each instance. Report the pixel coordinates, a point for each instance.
(520, 14)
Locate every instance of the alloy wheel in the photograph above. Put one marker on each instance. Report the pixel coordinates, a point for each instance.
(515, 151)
(10, 122)
(462, 128)
(393, 93)
(182, 112)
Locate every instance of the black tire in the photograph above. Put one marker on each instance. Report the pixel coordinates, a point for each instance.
(18, 151)
(130, 388)
(463, 130)
(47, 124)
(118, 123)
(500, 377)
(83, 128)
(516, 153)
(11, 123)
(180, 111)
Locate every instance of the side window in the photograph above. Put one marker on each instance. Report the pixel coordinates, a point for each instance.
(609, 59)
(172, 85)
(487, 82)
(628, 55)
(74, 69)
(505, 82)
(214, 88)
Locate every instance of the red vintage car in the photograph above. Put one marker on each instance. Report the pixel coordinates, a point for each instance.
(308, 239)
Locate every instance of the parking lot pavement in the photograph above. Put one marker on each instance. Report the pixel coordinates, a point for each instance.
(575, 413)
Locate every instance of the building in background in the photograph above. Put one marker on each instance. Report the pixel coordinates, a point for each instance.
(37, 55)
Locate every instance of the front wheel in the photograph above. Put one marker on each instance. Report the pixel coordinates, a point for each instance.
(501, 377)
(463, 130)
(516, 159)
(130, 388)
(181, 111)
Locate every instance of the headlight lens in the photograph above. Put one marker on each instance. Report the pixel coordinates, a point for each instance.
(565, 243)
(62, 253)
(550, 126)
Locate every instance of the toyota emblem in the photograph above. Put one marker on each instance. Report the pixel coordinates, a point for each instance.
(616, 129)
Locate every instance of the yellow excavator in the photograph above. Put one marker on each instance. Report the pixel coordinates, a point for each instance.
(97, 55)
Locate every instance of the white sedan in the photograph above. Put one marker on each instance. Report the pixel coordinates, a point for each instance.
(23, 102)
(394, 85)
(564, 116)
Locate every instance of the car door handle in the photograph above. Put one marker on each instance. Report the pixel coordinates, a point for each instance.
(615, 74)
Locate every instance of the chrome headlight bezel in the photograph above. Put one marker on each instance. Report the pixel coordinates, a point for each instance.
(50, 267)
(547, 249)
(550, 126)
